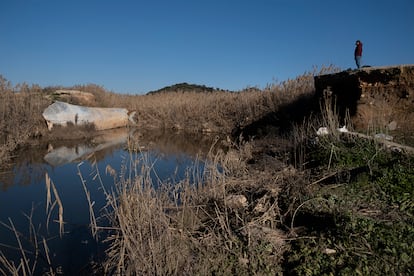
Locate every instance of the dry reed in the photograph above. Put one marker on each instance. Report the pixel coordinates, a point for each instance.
(195, 226)
(50, 205)
(31, 261)
(20, 116)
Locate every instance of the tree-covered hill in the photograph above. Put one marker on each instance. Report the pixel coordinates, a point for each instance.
(185, 87)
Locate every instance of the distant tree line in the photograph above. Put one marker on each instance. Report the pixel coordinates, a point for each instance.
(186, 87)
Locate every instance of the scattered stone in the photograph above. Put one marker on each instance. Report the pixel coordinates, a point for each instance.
(383, 136)
(243, 261)
(322, 131)
(75, 97)
(236, 201)
(329, 251)
(392, 126)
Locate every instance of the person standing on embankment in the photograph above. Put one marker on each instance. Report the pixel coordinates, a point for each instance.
(358, 53)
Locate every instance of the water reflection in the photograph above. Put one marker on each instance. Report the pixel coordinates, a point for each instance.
(63, 154)
(23, 184)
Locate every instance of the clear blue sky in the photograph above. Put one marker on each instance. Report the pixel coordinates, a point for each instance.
(137, 46)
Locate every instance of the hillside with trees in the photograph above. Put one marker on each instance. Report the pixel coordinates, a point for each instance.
(186, 87)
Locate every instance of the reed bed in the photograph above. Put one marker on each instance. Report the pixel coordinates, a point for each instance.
(219, 221)
(218, 112)
(21, 107)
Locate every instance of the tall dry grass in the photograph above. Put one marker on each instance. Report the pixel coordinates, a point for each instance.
(218, 221)
(21, 107)
(328, 119)
(217, 111)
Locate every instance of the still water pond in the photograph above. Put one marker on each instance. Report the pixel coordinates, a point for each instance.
(23, 187)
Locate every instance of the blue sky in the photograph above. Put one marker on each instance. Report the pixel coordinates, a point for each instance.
(137, 46)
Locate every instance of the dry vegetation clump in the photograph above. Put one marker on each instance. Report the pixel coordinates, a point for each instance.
(233, 218)
(21, 119)
(103, 97)
(225, 220)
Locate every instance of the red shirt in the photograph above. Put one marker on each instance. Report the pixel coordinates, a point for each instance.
(358, 49)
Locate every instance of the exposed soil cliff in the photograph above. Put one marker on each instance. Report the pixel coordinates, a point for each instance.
(380, 97)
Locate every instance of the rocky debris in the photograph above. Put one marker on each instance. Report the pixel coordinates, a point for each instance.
(381, 97)
(74, 97)
(236, 201)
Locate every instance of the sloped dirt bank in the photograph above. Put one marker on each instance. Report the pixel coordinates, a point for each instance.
(379, 97)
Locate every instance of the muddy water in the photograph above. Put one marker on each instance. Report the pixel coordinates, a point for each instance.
(23, 187)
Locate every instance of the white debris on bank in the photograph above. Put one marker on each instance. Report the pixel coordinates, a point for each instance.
(382, 138)
(324, 130)
(379, 136)
(343, 129)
